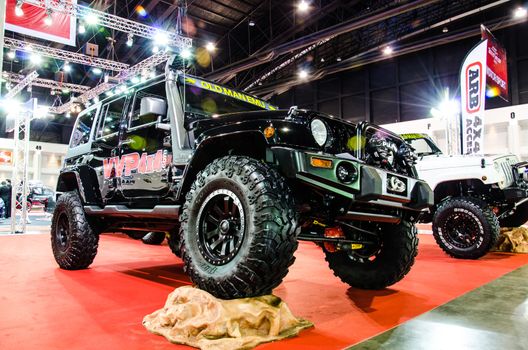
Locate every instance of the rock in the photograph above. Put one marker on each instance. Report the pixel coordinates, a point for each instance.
(194, 317)
(513, 240)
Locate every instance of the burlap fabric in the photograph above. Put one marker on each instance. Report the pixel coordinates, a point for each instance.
(513, 240)
(194, 317)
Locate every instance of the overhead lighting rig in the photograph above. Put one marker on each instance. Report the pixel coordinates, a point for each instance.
(46, 83)
(28, 79)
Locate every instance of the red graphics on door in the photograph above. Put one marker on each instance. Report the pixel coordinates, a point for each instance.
(134, 162)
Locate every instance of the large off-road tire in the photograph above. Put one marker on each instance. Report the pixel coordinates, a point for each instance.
(173, 239)
(390, 263)
(465, 228)
(518, 218)
(237, 233)
(73, 240)
(153, 238)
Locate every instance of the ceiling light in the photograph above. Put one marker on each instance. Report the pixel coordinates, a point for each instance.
(322, 59)
(185, 53)
(82, 28)
(520, 12)
(387, 50)
(29, 88)
(11, 54)
(445, 30)
(338, 59)
(135, 79)
(91, 19)
(18, 9)
(68, 115)
(210, 47)
(161, 39)
(303, 74)
(155, 49)
(35, 59)
(97, 71)
(251, 23)
(48, 20)
(66, 67)
(130, 40)
(152, 74)
(303, 6)
(65, 90)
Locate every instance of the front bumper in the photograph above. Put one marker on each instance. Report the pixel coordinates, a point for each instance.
(515, 194)
(373, 185)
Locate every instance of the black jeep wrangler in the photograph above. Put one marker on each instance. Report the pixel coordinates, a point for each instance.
(234, 183)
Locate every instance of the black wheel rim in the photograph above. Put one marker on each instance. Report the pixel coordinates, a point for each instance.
(462, 230)
(61, 234)
(369, 253)
(221, 227)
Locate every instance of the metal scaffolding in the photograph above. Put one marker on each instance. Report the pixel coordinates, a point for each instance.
(65, 55)
(47, 83)
(20, 174)
(113, 22)
(25, 81)
(122, 76)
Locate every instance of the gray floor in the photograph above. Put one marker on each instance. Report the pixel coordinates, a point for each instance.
(494, 316)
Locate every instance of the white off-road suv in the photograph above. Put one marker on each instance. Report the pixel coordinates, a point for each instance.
(474, 196)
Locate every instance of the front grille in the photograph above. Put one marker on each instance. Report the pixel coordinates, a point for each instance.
(506, 168)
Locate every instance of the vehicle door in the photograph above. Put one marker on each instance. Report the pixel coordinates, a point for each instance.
(146, 149)
(105, 148)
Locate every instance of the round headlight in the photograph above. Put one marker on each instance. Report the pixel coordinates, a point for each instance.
(319, 131)
(346, 173)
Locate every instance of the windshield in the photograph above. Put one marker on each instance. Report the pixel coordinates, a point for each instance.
(422, 144)
(205, 98)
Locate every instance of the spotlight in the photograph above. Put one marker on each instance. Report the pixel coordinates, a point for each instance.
(155, 49)
(48, 20)
(82, 28)
(445, 30)
(68, 115)
(338, 59)
(66, 67)
(152, 74)
(303, 6)
(109, 93)
(135, 80)
(210, 47)
(130, 40)
(140, 10)
(35, 59)
(97, 71)
(18, 9)
(303, 74)
(520, 12)
(11, 54)
(185, 54)
(387, 50)
(65, 90)
(251, 23)
(91, 19)
(29, 88)
(161, 39)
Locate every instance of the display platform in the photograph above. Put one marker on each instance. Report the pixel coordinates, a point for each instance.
(43, 307)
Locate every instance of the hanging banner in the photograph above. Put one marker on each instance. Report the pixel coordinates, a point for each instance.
(29, 19)
(496, 66)
(472, 94)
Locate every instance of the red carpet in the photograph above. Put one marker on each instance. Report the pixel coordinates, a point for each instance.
(43, 307)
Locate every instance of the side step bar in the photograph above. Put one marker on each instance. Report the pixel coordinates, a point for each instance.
(359, 216)
(158, 212)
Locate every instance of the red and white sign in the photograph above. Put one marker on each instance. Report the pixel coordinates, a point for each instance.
(6, 157)
(31, 22)
(473, 94)
(497, 65)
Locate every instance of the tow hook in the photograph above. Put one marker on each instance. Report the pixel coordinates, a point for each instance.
(333, 232)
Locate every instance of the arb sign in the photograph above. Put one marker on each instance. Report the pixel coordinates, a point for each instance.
(29, 19)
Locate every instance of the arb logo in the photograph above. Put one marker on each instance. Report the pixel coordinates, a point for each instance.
(473, 86)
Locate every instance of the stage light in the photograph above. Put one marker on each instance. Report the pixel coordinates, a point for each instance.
(130, 40)
(152, 74)
(155, 49)
(387, 50)
(68, 115)
(91, 19)
(82, 28)
(338, 59)
(35, 59)
(97, 71)
(135, 80)
(161, 39)
(445, 30)
(11, 54)
(48, 20)
(29, 88)
(65, 90)
(185, 54)
(66, 67)
(140, 10)
(18, 9)
(303, 6)
(520, 12)
(447, 108)
(251, 23)
(303, 74)
(109, 93)
(210, 47)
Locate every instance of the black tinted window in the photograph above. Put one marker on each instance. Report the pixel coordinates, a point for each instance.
(81, 132)
(111, 116)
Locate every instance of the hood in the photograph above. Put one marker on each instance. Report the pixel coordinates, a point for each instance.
(442, 161)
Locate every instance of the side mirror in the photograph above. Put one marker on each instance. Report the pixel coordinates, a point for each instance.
(163, 126)
(153, 105)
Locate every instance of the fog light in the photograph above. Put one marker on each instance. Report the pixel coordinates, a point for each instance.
(346, 173)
